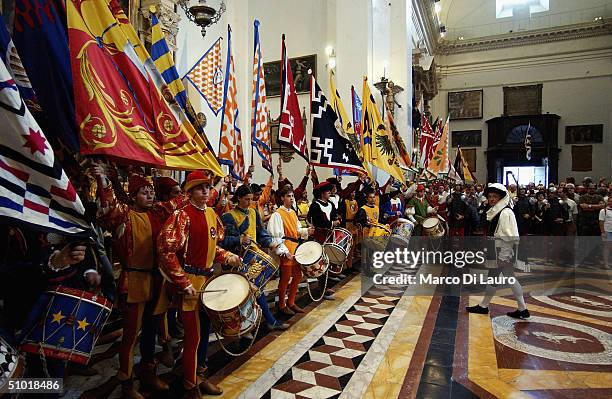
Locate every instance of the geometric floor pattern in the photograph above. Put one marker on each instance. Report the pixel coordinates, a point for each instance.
(327, 367)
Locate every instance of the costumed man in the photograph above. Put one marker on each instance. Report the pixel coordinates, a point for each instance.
(286, 231)
(501, 224)
(242, 226)
(261, 197)
(348, 209)
(458, 212)
(369, 213)
(284, 182)
(322, 215)
(135, 229)
(187, 250)
(393, 207)
(420, 207)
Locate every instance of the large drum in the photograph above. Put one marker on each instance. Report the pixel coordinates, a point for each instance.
(11, 363)
(257, 266)
(230, 304)
(312, 259)
(432, 226)
(338, 245)
(402, 231)
(70, 325)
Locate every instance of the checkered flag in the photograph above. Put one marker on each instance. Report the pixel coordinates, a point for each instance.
(208, 78)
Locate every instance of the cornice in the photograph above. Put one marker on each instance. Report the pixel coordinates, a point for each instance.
(540, 36)
(426, 26)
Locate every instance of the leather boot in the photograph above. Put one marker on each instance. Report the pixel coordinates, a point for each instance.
(166, 357)
(193, 393)
(149, 378)
(208, 388)
(128, 391)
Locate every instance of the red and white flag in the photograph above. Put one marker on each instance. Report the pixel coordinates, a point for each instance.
(291, 130)
(426, 142)
(230, 143)
(260, 138)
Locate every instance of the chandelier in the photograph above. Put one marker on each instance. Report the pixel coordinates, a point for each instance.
(201, 14)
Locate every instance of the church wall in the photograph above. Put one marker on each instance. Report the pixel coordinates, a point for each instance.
(577, 85)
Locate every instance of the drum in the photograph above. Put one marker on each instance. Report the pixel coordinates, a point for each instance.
(312, 259)
(402, 231)
(335, 268)
(70, 324)
(433, 227)
(338, 245)
(257, 266)
(11, 363)
(230, 304)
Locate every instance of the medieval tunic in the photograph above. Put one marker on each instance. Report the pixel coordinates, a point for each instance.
(366, 216)
(321, 214)
(284, 227)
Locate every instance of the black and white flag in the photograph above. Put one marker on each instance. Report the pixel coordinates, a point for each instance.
(329, 147)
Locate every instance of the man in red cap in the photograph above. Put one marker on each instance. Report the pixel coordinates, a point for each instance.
(166, 188)
(188, 248)
(135, 229)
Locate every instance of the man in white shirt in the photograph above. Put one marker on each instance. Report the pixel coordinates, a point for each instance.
(573, 211)
(605, 225)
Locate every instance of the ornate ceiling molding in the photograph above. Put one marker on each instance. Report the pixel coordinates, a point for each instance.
(540, 36)
(425, 24)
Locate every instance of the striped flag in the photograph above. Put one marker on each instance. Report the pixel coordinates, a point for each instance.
(230, 144)
(462, 169)
(207, 77)
(260, 138)
(162, 57)
(34, 189)
(426, 141)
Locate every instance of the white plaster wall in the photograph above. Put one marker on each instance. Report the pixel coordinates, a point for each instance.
(577, 85)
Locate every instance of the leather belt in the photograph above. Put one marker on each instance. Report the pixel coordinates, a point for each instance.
(198, 271)
(133, 269)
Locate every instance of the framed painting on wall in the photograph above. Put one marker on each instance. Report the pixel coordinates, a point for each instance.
(299, 68)
(465, 104)
(466, 138)
(582, 158)
(584, 134)
(523, 100)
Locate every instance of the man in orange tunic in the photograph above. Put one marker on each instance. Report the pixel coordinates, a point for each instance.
(188, 248)
(286, 231)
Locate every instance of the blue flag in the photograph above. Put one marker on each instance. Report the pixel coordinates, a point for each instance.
(39, 33)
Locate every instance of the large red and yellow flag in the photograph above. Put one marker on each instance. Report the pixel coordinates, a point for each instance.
(230, 143)
(120, 108)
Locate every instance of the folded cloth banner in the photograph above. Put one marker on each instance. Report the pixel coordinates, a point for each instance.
(34, 189)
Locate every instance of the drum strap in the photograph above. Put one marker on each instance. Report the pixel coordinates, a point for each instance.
(197, 271)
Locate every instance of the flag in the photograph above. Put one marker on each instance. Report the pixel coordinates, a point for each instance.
(120, 109)
(328, 147)
(260, 138)
(375, 140)
(462, 169)
(207, 77)
(12, 61)
(230, 144)
(164, 62)
(528, 143)
(426, 141)
(291, 130)
(403, 158)
(439, 161)
(40, 38)
(34, 189)
(452, 173)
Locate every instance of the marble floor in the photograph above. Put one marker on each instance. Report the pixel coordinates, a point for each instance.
(385, 343)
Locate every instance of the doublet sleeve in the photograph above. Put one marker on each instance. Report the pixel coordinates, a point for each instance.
(221, 255)
(231, 237)
(172, 239)
(276, 228)
(115, 214)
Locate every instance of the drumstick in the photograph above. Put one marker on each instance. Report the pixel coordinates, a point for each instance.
(199, 292)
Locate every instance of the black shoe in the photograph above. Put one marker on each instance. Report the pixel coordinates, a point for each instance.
(519, 314)
(334, 278)
(278, 326)
(477, 309)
